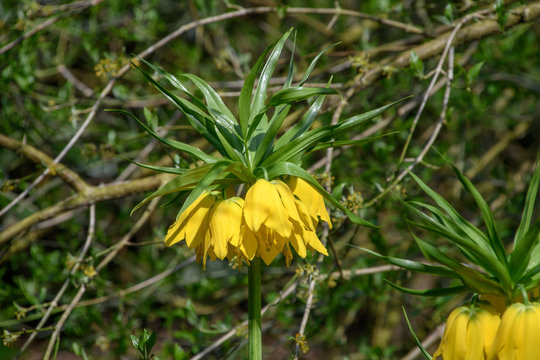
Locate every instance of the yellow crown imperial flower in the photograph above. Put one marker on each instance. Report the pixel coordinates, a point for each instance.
(518, 335)
(469, 333)
(265, 224)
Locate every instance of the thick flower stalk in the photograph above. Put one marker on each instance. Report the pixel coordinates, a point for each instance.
(469, 333)
(519, 334)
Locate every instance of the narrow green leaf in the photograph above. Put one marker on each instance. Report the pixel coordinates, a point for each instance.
(183, 182)
(180, 146)
(418, 343)
(206, 180)
(473, 279)
(333, 144)
(528, 209)
(164, 169)
(473, 73)
(308, 140)
(416, 64)
(259, 99)
(521, 256)
(449, 13)
(314, 63)
(285, 168)
(475, 254)
(274, 125)
(469, 229)
(496, 242)
(295, 94)
(244, 100)
(289, 79)
(304, 124)
(430, 292)
(212, 98)
(202, 122)
(414, 265)
(463, 229)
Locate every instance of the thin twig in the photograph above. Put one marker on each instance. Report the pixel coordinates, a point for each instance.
(81, 6)
(434, 135)
(82, 289)
(78, 84)
(427, 93)
(54, 303)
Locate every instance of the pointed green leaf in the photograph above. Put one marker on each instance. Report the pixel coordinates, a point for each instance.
(206, 180)
(314, 63)
(473, 279)
(180, 146)
(183, 182)
(212, 98)
(304, 124)
(430, 292)
(274, 125)
(528, 209)
(496, 242)
(521, 256)
(469, 229)
(295, 94)
(418, 343)
(414, 265)
(259, 98)
(308, 140)
(202, 122)
(244, 100)
(334, 144)
(164, 169)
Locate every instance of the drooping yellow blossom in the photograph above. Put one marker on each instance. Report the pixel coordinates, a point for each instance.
(210, 225)
(519, 334)
(469, 333)
(269, 221)
(274, 219)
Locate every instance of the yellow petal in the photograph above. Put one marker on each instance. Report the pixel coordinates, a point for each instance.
(176, 231)
(195, 221)
(314, 243)
(225, 220)
(287, 198)
(248, 242)
(311, 198)
(297, 240)
(263, 205)
(270, 245)
(305, 218)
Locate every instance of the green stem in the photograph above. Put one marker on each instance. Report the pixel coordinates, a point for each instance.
(254, 298)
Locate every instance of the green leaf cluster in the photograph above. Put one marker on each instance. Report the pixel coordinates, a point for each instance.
(248, 146)
(491, 270)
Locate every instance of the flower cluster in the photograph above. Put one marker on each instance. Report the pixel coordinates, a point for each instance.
(479, 333)
(273, 216)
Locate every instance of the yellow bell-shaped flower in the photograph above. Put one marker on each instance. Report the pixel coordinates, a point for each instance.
(274, 219)
(469, 333)
(519, 334)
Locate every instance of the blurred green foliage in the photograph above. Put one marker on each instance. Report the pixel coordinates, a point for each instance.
(495, 90)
